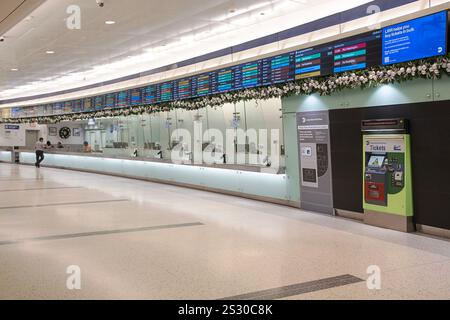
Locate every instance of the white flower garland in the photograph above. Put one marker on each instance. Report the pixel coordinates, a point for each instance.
(429, 69)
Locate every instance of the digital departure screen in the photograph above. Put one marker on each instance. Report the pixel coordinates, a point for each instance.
(88, 104)
(416, 39)
(248, 75)
(223, 80)
(48, 109)
(278, 69)
(136, 96)
(166, 92)
(58, 108)
(110, 100)
(98, 102)
(122, 100)
(68, 107)
(314, 62)
(183, 89)
(76, 106)
(150, 94)
(202, 85)
(360, 52)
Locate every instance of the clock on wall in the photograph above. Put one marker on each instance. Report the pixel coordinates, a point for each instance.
(64, 133)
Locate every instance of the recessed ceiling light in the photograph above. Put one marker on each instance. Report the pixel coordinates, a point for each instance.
(110, 22)
(50, 52)
(14, 69)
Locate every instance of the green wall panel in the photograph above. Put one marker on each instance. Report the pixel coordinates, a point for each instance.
(419, 90)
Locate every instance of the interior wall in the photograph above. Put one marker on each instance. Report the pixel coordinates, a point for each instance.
(424, 102)
(72, 140)
(17, 137)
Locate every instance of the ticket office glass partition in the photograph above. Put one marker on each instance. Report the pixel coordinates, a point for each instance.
(157, 135)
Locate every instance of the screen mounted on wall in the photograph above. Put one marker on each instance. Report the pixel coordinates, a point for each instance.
(420, 38)
(416, 39)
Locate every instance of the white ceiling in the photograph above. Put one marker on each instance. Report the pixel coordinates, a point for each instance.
(147, 34)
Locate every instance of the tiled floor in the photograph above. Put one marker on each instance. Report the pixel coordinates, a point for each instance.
(140, 240)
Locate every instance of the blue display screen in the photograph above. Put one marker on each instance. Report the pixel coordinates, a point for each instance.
(136, 96)
(98, 102)
(183, 89)
(416, 39)
(122, 99)
(150, 94)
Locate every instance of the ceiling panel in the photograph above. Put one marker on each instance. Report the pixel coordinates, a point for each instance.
(152, 33)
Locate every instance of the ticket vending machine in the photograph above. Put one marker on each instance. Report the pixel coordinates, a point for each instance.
(388, 200)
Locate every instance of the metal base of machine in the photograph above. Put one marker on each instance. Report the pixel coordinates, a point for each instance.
(389, 221)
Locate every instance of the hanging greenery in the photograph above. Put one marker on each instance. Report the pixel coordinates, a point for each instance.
(432, 68)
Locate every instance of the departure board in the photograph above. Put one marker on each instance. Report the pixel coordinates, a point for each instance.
(68, 107)
(202, 85)
(88, 104)
(98, 103)
(58, 108)
(415, 39)
(314, 62)
(183, 89)
(278, 69)
(150, 94)
(48, 109)
(248, 75)
(122, 99)
(110, 100)
(76, 106)
(136, 96)
(166, 92)
(360, 52)
(223, 80)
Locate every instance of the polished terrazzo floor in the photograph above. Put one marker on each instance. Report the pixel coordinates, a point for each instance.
(140, 240)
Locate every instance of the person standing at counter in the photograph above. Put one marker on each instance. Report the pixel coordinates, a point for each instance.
(86, 147)
(39, 147)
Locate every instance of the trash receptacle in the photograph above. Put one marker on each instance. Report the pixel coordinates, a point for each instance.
(16, 155)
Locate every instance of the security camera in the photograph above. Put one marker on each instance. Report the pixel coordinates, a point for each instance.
(2, 39)
(100, 3)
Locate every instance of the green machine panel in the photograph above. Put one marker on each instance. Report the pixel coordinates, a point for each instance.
(387, 179)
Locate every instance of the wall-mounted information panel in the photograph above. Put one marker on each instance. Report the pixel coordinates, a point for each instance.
(416, 39)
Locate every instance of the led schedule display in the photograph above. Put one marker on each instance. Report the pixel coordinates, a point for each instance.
(166, 92)
(77, 106)
(223, 80)
(183, 89)
(203, 85)
(358, 53)
(98, 103)
(278, 69)
(67, 107)
(110, 100)
(88, 104)
(122, 100)
(314, 62)
(150, 94)
(416, 39)
(136, 96)
(248, 75)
